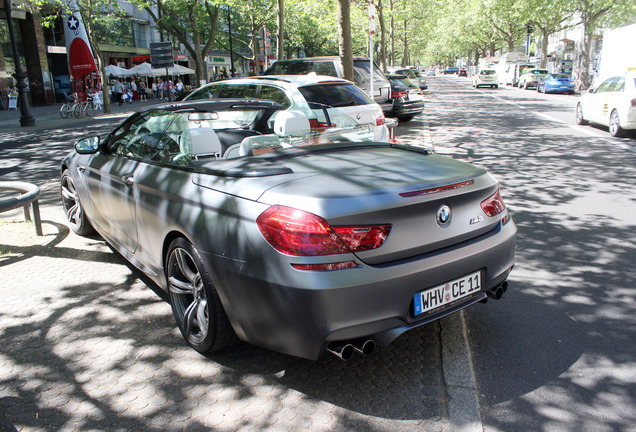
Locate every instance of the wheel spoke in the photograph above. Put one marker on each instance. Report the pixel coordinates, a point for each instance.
(72, 213)
(67, 193)
(202, 319)
(189, 315)
(179, 287)
(182, 261)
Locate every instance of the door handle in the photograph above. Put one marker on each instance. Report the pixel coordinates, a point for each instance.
(128, 180)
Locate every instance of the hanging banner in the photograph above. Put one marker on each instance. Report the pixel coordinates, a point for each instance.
(80, 57)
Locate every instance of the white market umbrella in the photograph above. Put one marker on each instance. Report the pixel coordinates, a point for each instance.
(116, 71)
(180, 70)
(143, 69)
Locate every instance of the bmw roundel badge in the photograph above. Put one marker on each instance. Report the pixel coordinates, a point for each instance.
(444, 216)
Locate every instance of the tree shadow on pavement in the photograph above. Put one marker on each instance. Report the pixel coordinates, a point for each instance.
(557, 351)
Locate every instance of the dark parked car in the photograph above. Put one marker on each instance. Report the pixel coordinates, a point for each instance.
(300, 241)
(462, 72)
(332, 66)
(450, 71)
(407, 98)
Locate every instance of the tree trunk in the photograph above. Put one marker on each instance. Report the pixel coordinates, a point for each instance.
(584, 59)
(280, 52)
(544, 47)
(345, 44)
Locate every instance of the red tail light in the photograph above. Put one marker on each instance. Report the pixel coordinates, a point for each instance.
(315, 124)
(398, 94)
(380, 120)
(634, 102)
(299, 233)
(493, 205)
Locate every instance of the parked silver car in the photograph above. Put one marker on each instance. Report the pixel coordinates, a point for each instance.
(300, 241)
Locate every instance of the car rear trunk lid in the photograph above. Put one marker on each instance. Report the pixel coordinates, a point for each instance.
(385, 185)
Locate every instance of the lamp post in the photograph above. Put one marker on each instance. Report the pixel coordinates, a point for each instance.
(26, 119)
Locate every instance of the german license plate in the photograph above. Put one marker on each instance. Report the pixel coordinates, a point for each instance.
(446, 293)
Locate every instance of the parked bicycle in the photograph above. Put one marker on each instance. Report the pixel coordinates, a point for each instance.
(76, 107)
(85, 108)
(69, 106)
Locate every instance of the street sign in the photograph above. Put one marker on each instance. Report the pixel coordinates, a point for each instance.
(161, 55)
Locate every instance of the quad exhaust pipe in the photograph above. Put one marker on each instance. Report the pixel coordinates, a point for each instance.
(345, 351)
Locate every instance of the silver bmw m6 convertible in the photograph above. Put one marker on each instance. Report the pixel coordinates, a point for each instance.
(290, 230)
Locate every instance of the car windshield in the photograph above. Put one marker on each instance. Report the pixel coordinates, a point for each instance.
(561, 76)
(487, 72)
(538, 71)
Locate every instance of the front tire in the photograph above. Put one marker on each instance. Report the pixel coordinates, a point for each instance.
(73, 209)
(196, 305)
(615, 128)
(580, 120)
(65, 111)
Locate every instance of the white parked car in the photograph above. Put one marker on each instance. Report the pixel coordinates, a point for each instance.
(611, 104)
(307, 93)
(486, 77)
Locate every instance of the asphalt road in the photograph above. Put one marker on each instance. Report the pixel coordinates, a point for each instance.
(558, 352)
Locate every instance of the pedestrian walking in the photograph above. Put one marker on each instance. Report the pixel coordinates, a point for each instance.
(179, 87)
(119, 91)
(154, 88)
(142, 91)
(133, 88)
(97, 100)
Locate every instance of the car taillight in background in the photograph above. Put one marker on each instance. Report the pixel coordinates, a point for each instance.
(380, 120)
(315, 124)
(300, 233)
(398, 94)
(634, 102)
(493, 205)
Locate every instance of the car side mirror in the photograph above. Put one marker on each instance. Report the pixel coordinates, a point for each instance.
(87, 145)
(591, 90)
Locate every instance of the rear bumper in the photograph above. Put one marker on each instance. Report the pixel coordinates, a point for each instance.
(408, 108)
(273, 305)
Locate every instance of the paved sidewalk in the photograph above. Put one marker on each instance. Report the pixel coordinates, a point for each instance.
(49, 116)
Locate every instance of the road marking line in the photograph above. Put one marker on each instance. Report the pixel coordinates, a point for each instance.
(459, 376)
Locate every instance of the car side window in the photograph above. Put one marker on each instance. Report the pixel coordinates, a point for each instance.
(139, 138)
(206, 92)
(619, 85)
(606, 86)
(275, 94)
(174, 145)
(326, 68)
(300, 68)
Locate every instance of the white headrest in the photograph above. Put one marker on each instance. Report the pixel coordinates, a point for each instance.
(291, 123)
(205, 142)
